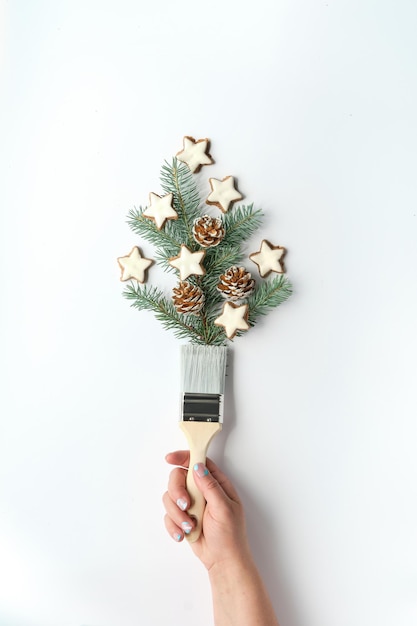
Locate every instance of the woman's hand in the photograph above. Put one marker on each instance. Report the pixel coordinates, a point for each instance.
(239, 595)
(223, 538)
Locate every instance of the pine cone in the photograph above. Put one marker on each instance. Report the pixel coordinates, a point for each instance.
(208, 231)
(188, 298)
(236, 283)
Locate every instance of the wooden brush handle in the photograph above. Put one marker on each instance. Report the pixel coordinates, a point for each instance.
(199, 435)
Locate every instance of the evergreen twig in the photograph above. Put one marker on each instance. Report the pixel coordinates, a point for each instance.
(162, 239)
(153, 299)
(178, 180)
(241, 223)
(268, 295)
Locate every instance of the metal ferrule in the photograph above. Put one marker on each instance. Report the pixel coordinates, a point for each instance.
(202, 407)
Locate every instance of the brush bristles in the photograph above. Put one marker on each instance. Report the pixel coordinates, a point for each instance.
(203, 368)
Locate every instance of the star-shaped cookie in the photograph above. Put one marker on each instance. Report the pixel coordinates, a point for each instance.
(224, 193)
(188, 262)
(160, 209)
(134, 265)
(268, 259)
(233, 318)
(195, 153)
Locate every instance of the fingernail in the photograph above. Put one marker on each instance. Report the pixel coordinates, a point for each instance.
(187, 528)
(182, 504)
(201, 470)
(177, 536)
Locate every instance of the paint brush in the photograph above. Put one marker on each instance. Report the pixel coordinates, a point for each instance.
(203, 371)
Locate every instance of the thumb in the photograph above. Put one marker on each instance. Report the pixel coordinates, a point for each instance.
(208, 485)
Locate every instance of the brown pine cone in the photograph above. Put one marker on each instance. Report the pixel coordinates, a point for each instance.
(236, 283)
(188, 298)
(208, 231)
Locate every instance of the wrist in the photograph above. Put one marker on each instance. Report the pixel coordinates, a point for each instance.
(231, 571)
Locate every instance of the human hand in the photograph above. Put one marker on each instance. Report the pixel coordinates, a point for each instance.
(223, 538)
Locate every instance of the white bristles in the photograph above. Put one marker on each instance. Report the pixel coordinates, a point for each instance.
(203, 368)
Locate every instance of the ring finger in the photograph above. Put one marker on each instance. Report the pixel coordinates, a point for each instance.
(179, 518)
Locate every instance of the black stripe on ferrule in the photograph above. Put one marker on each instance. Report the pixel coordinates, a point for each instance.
(202, 407)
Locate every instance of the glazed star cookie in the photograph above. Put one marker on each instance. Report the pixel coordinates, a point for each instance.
(268, 259)
(195, 153)
(188, 262)
(134, 265)
(233, 318)
(160, 209)
(224, 193)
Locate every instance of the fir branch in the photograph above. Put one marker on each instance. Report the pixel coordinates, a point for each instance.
(215, 336)
(162, 239)
(212, 334)
(178, 180)
(153, 299)
(162, 258)
(241, 223)
(270, 294)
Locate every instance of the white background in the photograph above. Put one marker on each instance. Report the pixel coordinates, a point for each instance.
(312, 106)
